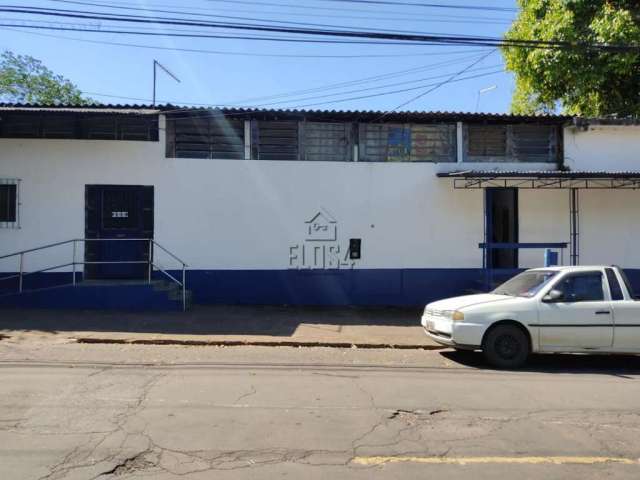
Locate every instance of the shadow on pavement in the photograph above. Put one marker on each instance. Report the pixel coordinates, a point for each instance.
(558, 363)
(208, 320)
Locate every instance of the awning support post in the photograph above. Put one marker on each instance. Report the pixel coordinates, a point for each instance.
(574, 225)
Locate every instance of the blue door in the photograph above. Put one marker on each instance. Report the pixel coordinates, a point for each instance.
(502, 226)
(118, 224)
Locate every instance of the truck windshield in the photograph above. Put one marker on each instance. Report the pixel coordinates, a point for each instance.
(527, 284)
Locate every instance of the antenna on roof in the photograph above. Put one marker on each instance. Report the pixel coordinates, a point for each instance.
(482, 91)
(157, 64)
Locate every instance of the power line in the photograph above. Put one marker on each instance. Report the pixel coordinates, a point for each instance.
(365, 80)
(289, 5)
(427, 5)
(88, 29)
(113, 5)
(218, 24)
(427, 38)
(350, 83)
(315, 97)
(223, 52)
(329, 102)
(283, 103)
(209, 106)
(396, 91)
(435, 87)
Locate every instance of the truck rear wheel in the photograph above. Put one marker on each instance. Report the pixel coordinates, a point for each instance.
(506, 346)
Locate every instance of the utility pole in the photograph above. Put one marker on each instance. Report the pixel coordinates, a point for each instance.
(157, 64)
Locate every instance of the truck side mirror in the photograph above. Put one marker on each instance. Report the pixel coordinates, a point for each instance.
(553, 296)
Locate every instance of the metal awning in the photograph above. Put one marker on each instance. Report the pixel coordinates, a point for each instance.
(544, 179)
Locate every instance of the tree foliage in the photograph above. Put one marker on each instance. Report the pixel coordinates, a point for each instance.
(583, 81)
(24, 79)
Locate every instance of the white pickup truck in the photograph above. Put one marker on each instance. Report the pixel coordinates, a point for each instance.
(542, 310)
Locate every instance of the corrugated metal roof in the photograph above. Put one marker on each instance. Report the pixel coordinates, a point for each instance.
(365, 115)
(120, 109)
(569, 174)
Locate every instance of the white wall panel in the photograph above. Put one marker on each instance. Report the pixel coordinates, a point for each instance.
(237, 214)
(544, 217)
(603, 148)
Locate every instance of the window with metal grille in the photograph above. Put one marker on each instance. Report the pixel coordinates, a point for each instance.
(19, 125)
(486, 142)
(58, 126)
(433, 143)
(534, 143)
(9, 203)
(407, 143)
(274, 140)
(72, 125)
(99, 127)
(135, 127)
(205, 137)
(511, 143)
(329, 142)
(384, 142)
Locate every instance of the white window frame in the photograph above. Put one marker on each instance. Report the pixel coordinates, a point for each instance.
(16, 182)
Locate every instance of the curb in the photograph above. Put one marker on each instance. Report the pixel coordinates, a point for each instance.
(254, 343)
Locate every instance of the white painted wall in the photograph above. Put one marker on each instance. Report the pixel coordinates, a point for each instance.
(610, 227)
(544, 217)
(602, 148)
(243, 214)
(238, 214)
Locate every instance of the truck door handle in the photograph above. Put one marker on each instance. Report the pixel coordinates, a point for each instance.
(603, 312)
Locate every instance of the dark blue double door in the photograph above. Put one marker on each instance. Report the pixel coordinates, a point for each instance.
(118, 222)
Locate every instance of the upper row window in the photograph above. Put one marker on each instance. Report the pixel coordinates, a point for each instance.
(90, 126)
(511, 143)
(224, 138)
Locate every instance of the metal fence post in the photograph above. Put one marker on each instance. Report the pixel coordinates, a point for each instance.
(73, 280)
(150, 257)
(184, 288)
(21, 270)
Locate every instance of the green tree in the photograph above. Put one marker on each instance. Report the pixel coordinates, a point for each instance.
(582, 81)
(26, 79)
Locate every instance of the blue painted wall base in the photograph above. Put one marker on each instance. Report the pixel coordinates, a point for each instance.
(362, 287)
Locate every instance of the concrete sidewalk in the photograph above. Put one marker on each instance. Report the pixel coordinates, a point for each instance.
(226, 325)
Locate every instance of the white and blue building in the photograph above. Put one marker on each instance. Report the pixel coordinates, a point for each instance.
(255, 206)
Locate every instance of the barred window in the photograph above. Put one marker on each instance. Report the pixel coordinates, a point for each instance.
(205, 137)
(385, 142)
(534, 143)
(433, 143)
(511, 143)
(80, 126)
(329, 142)
(9, 203)
(408, 143)
(486, 141)
(274, 140)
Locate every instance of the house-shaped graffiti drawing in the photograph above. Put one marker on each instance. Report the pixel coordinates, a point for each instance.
(322, 227)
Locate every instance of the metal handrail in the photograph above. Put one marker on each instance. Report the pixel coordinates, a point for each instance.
(22, 252)
(150, 262)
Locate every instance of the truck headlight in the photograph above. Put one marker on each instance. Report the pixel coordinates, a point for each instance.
(454, 315)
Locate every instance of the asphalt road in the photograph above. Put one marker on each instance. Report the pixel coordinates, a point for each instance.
(99, 411)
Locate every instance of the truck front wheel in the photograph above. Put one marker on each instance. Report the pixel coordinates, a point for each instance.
(506, 346)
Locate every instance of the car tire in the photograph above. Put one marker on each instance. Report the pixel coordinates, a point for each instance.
(506, 346)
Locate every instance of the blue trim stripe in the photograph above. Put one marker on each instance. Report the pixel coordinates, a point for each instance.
(381, 287)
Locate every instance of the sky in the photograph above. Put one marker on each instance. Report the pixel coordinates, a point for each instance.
(270, 74)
